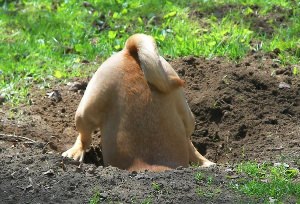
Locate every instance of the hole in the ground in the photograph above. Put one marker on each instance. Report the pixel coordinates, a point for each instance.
(216, 115)
(201, 147)
(259, 85)
(94, 156)
(241, 133)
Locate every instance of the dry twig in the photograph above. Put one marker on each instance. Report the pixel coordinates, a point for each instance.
(15, 137)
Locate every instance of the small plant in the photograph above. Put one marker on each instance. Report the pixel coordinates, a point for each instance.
(209, 180)
(195, 165)
(200, 192)
(198, 176)
(156, 186)
(296, 71)
(95, 199)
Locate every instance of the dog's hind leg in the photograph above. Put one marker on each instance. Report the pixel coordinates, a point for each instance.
(196, 158)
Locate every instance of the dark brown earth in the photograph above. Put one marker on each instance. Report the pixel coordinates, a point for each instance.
(244, 111)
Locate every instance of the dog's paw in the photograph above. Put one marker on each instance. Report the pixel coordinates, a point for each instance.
(208, 163)
(76, 153)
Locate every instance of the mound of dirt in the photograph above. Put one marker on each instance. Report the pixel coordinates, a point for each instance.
(244, 111)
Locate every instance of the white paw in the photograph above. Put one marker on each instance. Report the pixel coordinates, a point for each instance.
(208, 163)
(76, 153)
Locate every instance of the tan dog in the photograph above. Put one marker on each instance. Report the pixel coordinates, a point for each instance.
(137, 100)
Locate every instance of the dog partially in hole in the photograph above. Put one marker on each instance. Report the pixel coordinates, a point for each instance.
(136, 99)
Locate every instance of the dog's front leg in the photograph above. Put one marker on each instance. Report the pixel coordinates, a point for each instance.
(83, 140)
(197, 158)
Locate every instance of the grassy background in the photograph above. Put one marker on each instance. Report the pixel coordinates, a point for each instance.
(45, 40)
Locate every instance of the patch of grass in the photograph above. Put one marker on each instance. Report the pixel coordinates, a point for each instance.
(208, 193)
(273, 24)
(268, 182)
(45, 41)
(95, 199)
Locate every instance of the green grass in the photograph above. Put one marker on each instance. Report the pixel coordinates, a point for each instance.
(268, 182)
(156, 186)
(95, 198)
(46, 41)
(206, 188)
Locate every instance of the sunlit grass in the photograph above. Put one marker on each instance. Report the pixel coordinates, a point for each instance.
(268, 182)
(42, 41)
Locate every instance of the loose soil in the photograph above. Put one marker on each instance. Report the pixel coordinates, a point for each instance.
(244, 111)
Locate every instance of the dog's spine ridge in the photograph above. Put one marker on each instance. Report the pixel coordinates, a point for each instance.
(144, 47)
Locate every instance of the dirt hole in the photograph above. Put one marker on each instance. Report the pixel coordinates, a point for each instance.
(94, 156)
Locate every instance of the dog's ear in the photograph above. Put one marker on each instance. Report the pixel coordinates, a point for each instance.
(143, 48)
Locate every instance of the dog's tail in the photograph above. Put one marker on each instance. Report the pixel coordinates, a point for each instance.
(156, 70)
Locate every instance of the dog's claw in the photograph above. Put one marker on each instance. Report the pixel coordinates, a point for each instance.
(208, 164)
(76, 153)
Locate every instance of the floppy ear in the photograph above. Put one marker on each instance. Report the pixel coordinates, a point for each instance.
(155, 68)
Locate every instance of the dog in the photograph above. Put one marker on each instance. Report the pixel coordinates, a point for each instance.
(137, 100)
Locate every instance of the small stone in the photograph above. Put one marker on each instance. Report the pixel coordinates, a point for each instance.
(55, 96)
(91, 170)
(179, 168)
(229, 170)
(103, 196)
(76, 86)
(272, 200)
(140, 176)
(278, 164)
(283, 85)
(50, 172)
